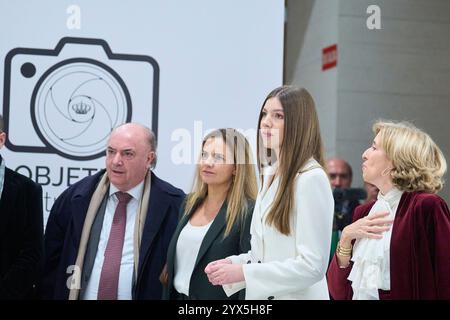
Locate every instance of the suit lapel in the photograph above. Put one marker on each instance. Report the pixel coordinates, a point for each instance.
(79, 207)
(156, 212)
(173, 245)
(213, 233)
(7, 200)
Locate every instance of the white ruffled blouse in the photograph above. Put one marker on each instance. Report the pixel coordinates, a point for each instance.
(371, 260)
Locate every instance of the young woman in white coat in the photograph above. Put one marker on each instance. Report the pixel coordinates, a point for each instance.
(292, 221)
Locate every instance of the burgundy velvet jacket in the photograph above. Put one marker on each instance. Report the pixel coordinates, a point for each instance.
(419, 253)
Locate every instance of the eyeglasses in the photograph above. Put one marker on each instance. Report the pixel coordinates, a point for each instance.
(217, 158)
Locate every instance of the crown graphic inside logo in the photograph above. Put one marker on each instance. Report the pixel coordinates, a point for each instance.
(81, 108)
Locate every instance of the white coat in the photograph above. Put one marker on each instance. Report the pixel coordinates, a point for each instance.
(290, 267)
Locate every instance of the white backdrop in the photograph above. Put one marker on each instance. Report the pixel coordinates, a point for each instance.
(74, 70)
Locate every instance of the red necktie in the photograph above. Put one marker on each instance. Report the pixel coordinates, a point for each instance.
(109, 277)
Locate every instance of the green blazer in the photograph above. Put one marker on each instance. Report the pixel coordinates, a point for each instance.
(214, 247)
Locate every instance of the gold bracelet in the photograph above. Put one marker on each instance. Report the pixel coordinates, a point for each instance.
(343, 252)
(344, 249)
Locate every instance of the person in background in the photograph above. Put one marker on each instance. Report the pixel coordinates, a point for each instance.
(21, 232)
(397, 246)
(292, 221)
(216, 218)
(107, 235)
(341, 175)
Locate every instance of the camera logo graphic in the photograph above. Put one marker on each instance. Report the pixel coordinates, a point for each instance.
(67, 100)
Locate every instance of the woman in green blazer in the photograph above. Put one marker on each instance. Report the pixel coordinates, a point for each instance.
(215, 219)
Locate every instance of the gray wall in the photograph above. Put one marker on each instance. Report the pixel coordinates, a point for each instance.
(311, 26)
(401, 72)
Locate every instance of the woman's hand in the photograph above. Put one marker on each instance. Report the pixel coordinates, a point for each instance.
(224, 272)
(370, 227)
(212, 264)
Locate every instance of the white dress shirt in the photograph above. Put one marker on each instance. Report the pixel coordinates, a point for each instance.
(188, 246)
(127, 262)
(290, 266)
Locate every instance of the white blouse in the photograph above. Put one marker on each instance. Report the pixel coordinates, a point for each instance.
(290, 266)
(188, 246)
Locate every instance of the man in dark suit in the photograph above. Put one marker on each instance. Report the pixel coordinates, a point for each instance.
(341, 176)
(107, 235)
(21, 232)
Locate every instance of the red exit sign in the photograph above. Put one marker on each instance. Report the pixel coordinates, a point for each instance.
(329, 57)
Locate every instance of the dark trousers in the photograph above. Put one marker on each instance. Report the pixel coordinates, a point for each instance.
(180, 296)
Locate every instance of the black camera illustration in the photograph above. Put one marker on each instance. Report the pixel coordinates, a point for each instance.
(67, 100)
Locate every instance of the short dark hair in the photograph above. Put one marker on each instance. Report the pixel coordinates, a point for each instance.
(1, 123)
(349, 168)
(153, 145)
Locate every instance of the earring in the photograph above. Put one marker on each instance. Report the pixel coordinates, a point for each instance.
(384, 173)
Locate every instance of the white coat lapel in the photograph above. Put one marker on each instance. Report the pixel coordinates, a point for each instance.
(262, 206)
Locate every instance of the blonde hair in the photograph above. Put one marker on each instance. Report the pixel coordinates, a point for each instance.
(243, 186)
(302, 140)
(419, 164)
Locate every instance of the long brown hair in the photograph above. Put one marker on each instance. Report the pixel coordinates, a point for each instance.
(243, 186)
(301, 141)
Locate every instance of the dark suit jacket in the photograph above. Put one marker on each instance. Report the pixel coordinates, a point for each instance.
(419, 251)
(213, 247)
(21, 236)
(65, 224)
